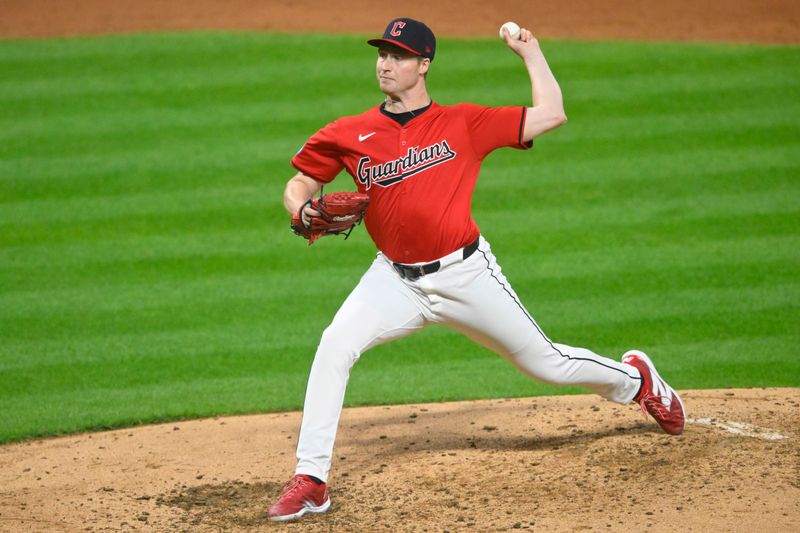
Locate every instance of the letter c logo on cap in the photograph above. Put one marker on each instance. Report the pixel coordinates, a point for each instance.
(399, 25)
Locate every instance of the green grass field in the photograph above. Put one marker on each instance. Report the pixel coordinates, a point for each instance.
(147, 271)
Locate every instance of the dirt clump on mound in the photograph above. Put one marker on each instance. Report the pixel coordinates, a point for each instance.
(547, 464)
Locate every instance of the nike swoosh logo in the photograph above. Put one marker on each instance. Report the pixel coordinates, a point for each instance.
(362, 138)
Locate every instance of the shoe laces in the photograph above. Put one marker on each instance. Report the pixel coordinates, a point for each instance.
(293, 485)
(655, 406)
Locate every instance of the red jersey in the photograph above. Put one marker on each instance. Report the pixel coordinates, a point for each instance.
(420, 176)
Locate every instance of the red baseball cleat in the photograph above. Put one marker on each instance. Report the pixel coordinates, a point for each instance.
(300, 495)
(655, 396)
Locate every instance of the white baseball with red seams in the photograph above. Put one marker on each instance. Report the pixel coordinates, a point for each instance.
(513, 30)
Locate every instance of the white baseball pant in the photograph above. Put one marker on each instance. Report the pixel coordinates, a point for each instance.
(471, 296)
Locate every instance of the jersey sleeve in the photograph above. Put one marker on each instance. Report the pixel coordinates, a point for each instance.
(320, 157)
(495, 127)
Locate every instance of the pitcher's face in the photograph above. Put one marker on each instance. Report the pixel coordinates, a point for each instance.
(398, 70)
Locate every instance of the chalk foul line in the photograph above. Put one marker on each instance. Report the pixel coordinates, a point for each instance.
(738, 428)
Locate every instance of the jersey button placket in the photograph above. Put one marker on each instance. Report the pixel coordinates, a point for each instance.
(402, 152)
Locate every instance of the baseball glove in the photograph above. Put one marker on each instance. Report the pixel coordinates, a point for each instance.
(339, 212)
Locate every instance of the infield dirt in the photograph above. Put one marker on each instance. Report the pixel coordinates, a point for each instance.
(546, 464)
(766, 21)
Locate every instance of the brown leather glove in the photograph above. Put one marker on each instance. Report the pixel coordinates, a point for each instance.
(339, 212)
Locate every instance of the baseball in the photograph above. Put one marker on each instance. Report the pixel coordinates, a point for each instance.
(513, 30)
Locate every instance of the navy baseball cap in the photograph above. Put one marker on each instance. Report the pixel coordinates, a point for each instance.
(409, 34)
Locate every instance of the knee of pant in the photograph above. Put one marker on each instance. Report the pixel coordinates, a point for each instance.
(338, 347)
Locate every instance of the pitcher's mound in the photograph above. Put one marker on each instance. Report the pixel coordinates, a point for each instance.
(549, 463)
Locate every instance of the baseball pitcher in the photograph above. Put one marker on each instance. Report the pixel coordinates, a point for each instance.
(415, 164)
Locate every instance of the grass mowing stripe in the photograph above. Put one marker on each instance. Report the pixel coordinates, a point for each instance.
(207, 219)
(578, 312)
(90, 125)
(248, 78)
(110, 347)
(105, 273)
(261, 302)
(722, 170)
(665, 232)
(248, 82)
(721, 353)
(237, 289)
(148, 370)
(149, 120)
(134, 174)
(688, 254)
(718, 350)
(674, 181)
(273, 242)
(131, 349)
(569, 318)
(109, 207)
(629, 211)
(743, 117)
(50, 412)
(115, 291)
(247, 210)
(686, 327)
(619, 102)
(548, 172)
(215, 267)
(98, 268)
(672, 192)
(646, 129)
(683, 148)
(209, 290)
(124, 162)
(167, 139)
